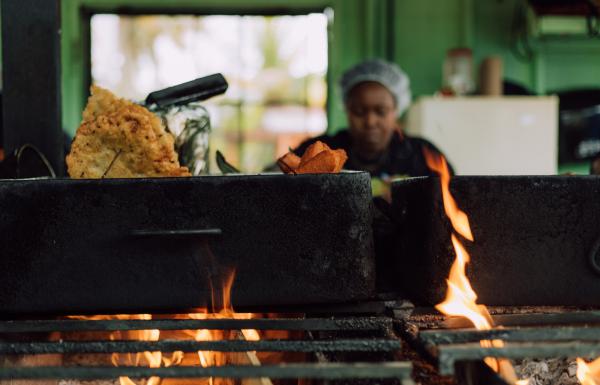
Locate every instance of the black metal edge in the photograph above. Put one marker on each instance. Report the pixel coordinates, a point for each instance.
(188, 346)
(566, 333)
(532, 178)
(307, 324)
(199, 10)
(401, 370)
(364, 308)
(103, 181)
(449, 355)
(574, 317)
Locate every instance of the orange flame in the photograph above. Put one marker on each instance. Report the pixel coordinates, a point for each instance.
(588, 373)
(458, 218)
(227, 307)
(221, 308)
(152, 359)
(461, 298)
(225, 311)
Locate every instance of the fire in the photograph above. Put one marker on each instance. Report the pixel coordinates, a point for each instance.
(224, 311)
(220, 308)
(588, 373)
(151, 359)
(461, 298)
(458, 218)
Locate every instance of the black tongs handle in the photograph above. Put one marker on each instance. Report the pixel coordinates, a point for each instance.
(192, 91)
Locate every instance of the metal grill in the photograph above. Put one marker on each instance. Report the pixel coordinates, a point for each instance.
(322, 341)
(455, 345)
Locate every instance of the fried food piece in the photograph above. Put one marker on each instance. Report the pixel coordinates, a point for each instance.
(323, 162)
(341, 158)
(120, 139)
(328, 161)
(289, 162)
(317, 159)
(313, 150)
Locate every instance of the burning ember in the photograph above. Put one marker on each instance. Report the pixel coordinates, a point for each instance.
(461, 298)
(588, 373)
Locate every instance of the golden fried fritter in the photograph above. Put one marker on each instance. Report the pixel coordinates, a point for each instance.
(120, 139)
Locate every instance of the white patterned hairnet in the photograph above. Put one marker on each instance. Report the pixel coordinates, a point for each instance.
(385, 73)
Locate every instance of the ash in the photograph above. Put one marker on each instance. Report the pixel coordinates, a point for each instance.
(552, 371)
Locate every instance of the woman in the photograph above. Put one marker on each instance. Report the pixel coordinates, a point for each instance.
(376, 93)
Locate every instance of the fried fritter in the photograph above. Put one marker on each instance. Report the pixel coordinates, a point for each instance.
(323, 162)
(317, 159)
(341, 157)
(327, 161)
(120, 139)
(289, 162)
(313, 150)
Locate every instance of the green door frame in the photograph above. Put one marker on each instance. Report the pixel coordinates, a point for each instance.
(359, 29)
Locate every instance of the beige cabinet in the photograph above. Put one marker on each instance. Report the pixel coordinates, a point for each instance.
(491, 135)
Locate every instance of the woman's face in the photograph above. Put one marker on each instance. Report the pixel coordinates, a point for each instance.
(371, 110)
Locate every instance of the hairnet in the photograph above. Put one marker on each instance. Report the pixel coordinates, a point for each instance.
(387, 74)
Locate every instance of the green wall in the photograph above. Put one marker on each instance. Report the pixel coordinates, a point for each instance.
(426, 29)
(414, 33)
(492, 26)
(423, 31)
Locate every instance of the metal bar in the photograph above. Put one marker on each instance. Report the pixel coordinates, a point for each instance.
(314, 324)
(440, 336)
(332, 371)
(136, 9)
(31, 102)
(448, 355)
(533, 319)
(357, 345)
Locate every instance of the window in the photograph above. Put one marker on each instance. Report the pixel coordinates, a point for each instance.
(276, 68)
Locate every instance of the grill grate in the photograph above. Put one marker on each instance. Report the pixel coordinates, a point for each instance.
(323, 371)
(340, 334)
(449, 355)
(306, 324)
(301, 346)
(529, 334)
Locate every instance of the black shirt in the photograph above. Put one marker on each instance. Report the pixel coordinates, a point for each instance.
(404, 156)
